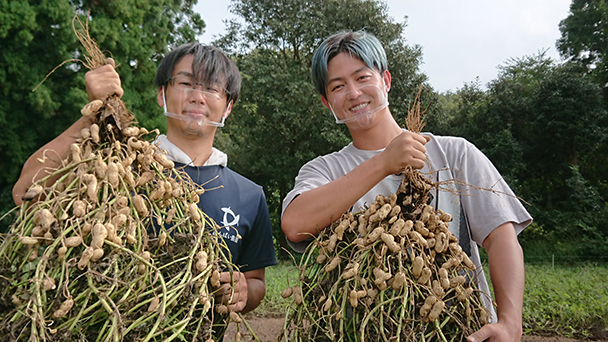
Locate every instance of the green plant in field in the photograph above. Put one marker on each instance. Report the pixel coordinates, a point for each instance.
(374, 273)
(276, 281)
(568, 301)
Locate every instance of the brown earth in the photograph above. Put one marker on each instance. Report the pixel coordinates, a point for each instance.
(269, 328)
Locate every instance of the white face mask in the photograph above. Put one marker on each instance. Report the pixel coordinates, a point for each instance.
(194, 115)
(359, 105)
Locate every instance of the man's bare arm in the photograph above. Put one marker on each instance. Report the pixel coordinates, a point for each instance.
(316, 209)
(51, 155)
(100, 83)
(506, 262)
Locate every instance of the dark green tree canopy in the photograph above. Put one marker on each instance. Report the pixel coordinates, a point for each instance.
(545, 128)
(584, 39)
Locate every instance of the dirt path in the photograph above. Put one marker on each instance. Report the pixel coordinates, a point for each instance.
(268, 329)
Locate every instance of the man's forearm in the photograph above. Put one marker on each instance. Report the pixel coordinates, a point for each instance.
(52, 155)
(508, 275)
(100, 83)
(316, 209)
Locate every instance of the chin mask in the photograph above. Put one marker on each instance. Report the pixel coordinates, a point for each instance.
(370, 98)
(195, 116)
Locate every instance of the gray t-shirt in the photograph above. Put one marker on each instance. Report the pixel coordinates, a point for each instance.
(481, 200)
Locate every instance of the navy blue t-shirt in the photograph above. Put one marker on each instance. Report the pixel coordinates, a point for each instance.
(236, 204)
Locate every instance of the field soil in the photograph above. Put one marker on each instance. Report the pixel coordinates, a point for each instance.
(268, 329)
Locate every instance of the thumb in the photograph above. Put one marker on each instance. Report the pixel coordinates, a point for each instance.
(111, 62)
(479, 336)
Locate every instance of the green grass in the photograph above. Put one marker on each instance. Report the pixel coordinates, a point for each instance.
(566, 300)
(276, 281)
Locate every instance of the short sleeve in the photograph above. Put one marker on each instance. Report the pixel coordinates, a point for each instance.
(487, 199)
(311, 176)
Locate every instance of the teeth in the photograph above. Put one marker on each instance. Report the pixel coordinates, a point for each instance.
(358, 107)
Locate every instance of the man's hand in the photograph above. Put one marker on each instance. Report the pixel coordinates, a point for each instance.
(497, 332)
(405, 149)
(103, 82)
(236, 300)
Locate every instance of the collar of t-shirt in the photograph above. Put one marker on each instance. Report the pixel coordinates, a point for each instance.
(175, 154)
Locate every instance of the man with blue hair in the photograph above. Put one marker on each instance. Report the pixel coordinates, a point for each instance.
(350, 72)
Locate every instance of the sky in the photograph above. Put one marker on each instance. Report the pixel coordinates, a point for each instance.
(460, 40)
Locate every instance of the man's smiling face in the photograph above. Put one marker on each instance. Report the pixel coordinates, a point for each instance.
(354, 91)
(195, 102)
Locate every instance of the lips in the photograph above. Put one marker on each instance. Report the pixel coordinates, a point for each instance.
(195, 114)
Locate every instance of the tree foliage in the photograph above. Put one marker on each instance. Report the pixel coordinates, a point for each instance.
(280, 122)
(544, 127)
(584, 39)
(37, 36)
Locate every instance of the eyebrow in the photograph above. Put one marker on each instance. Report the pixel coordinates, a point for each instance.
(189, 74)
(353, 73)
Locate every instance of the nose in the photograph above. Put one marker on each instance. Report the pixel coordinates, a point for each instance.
(196, 95)
(353, 92)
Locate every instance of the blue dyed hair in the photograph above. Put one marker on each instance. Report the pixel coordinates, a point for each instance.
(359, 44)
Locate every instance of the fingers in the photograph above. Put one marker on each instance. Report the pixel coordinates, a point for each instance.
(407, 149)
(229, 277)
(103, 82)
(111, 62)
(233, 296)
(492, 333)
(478, 336)
(225, 277)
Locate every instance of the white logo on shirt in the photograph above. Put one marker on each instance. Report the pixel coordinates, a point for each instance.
(235, 218)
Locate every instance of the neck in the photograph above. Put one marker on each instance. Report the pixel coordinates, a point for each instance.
(377, 136)
(197, 148)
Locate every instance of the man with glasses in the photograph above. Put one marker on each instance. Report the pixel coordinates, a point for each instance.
(197, 86)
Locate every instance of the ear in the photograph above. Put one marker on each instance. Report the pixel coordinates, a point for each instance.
(228, 110)
(387, 80)
(324, 100)
(159, 97)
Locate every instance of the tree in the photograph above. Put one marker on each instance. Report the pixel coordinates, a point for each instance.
(584, 39)
(280, 123)
(544, 127)
(38, 36)
(573, 124)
